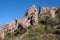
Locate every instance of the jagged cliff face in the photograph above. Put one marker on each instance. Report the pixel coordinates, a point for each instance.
(30, 18)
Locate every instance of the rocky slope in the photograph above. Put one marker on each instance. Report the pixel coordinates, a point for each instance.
(31, 17)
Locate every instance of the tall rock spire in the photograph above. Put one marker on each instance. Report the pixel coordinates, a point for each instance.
(32, 15)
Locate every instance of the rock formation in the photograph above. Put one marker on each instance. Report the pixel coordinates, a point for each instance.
(48, 10)
(2, 27)
(52, 12)
(44, 10)
(30, 18)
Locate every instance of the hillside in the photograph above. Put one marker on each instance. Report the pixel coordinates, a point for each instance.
(35, 25)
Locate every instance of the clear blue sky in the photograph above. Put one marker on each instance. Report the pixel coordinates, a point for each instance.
(10, 9)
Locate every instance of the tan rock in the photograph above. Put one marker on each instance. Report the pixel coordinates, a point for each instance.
(31, 16)
(44, 10)
(52, 12)
(2, 31)
(48, 11)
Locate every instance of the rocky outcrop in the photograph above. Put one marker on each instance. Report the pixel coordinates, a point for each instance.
(51, 11)
(2, 31)
(43, 10)
(30, 18)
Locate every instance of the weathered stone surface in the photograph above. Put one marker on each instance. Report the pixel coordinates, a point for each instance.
(30, 18)
(44, 10)
(52, 12)
(48, 10)
(2, 31)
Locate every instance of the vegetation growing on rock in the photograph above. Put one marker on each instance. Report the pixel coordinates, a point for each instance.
(35, 25)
